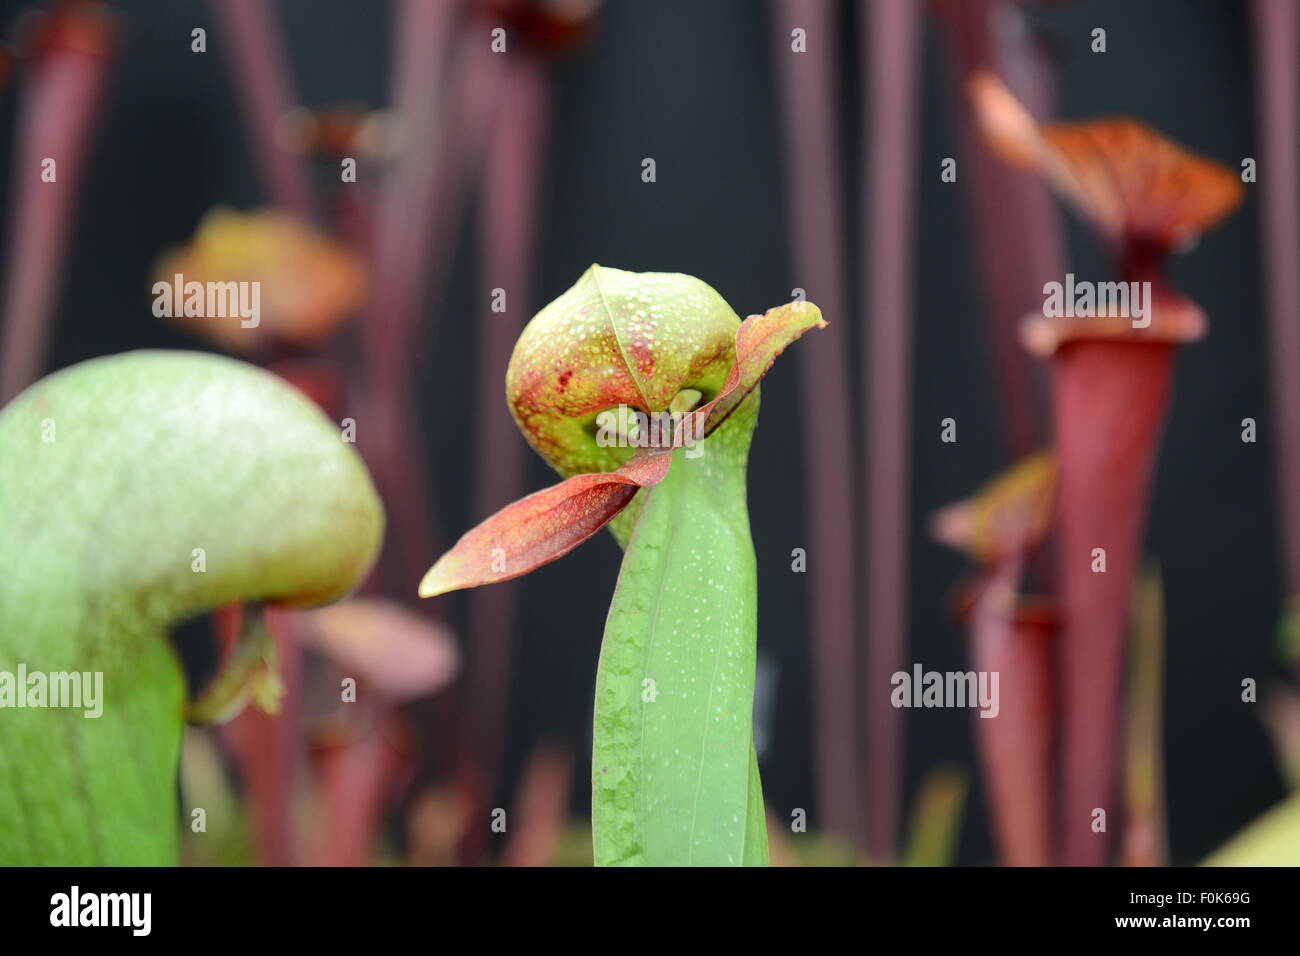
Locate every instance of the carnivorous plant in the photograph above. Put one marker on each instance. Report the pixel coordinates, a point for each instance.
(641, 389)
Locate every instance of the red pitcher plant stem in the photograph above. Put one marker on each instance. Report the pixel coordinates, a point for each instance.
(809, 110)
(889, 42)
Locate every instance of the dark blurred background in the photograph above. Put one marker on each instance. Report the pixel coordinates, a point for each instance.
(691, 84)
